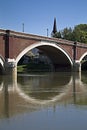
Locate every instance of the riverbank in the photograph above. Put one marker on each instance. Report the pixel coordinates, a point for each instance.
(33, 67)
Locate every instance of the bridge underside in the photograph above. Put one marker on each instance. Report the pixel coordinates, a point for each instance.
(0, 70)
(84, 66)
(59, 60)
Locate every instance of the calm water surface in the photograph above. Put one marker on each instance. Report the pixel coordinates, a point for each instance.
(44, 101)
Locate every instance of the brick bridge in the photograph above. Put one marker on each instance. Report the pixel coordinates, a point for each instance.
(63, 53)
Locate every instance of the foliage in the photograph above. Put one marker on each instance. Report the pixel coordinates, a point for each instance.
(78, 33)
(57, 35)
(33, 67)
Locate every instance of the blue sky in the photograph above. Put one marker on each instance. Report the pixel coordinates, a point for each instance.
(38, 15)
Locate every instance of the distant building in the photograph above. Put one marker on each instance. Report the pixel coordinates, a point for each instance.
(54, 28)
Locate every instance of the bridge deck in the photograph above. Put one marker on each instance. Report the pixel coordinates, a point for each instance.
(40, 38)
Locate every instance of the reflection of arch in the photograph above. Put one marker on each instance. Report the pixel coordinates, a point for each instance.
(32, 99)
(41, 44)
(1, 87)
(66, 93)
(16, 88)
(49, 78)
(37, 101)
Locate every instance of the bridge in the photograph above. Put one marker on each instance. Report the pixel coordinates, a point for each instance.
(63, 53)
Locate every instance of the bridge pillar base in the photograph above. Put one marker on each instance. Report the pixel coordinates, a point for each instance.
(11, 67)
(77, 66)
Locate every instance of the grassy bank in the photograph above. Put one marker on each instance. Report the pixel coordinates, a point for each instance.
(33, 67)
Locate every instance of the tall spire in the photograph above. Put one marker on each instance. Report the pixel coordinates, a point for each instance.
(54, 27)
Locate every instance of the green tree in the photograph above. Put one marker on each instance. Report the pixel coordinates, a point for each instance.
(67, 33)
(78, 33)
(57, 35)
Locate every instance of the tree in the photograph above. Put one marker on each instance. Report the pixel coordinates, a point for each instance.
(78, 33)
(67, 33)
(57, 35)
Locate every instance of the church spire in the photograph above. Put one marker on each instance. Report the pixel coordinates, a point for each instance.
(54, 27)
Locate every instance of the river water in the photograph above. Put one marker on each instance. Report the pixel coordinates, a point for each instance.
(44, 101)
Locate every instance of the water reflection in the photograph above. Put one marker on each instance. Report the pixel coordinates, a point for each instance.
(31, 92)
(43, 86)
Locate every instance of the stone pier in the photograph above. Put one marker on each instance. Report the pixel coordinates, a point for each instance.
(77, 66)
(10, 68)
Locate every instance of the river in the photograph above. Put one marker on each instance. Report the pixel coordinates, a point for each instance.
(44, 101)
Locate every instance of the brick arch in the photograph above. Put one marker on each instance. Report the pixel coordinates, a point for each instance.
(40, 44)
(2, 63)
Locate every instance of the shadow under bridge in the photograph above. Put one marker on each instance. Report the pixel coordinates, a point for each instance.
(58, 57)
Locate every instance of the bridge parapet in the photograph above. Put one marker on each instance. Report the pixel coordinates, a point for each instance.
(2, 31)
(40, 38)
(35, 37)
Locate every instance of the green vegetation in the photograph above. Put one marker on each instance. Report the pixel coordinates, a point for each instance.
(78, 33)
(21, 68)
(33, 67)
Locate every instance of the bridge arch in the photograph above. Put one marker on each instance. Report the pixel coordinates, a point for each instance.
(1, 65)
(52, 50)
(85, 54)
(83, 63)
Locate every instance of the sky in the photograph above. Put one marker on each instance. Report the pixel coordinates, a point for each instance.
(38, 15)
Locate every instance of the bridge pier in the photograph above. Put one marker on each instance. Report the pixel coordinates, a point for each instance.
(77, 66)
(11, 68)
